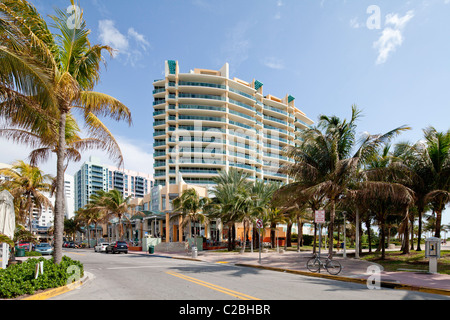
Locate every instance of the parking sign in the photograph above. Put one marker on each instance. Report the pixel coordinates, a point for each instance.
(320, 216)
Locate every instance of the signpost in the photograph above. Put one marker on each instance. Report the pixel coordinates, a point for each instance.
(319, 218)
(260, 225)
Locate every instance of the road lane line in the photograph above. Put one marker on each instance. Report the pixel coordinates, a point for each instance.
(80, 254)
(232, 293)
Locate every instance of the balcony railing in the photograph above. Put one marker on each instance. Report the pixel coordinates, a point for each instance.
(200, 96)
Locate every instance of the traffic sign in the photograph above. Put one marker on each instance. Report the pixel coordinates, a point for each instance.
(259, 224)
(320, 216)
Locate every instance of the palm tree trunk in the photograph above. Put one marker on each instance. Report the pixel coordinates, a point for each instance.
(299, 233)
(411, 223)
(369, 235)
(357, 235)
(230, 248)
(59, 196)
(331, 227)
(244, 238)
(288, 242)
(438, 223)
(419, 233)
(383, 239)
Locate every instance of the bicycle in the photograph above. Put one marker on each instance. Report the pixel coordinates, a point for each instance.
(316, 263)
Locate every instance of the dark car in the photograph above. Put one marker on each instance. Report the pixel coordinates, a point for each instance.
(117, 247)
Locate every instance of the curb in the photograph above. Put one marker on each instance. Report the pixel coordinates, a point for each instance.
(383, 284)
(50, 293)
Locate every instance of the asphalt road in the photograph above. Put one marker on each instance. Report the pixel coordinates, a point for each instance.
(142, 277)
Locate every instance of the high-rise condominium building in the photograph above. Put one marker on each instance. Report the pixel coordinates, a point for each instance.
(205, 122)
(94, 176)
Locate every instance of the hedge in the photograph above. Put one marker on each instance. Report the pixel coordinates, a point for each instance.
(19, 279)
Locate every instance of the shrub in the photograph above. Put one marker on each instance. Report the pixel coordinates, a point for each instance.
(307, 240)
(32, 254)
(19, 279)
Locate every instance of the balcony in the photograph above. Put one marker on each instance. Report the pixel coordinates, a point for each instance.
(201, 84)
(200, 96)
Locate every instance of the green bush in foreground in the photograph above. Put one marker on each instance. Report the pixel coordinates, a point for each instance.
(19, 279)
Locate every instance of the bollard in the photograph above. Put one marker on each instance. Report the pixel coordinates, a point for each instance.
(194, 252)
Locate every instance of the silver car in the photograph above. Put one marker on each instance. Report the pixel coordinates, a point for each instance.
(44, 248)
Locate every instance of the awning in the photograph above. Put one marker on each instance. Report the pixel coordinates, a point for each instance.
(149, 215)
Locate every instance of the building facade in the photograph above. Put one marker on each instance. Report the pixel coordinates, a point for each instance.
(206, 122)
(94, 176)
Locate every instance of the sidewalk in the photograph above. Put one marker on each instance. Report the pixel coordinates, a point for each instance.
(353, 270)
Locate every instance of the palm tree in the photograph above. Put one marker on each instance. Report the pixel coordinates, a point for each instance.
(190, 207)
(262, 194)
(438, 154)
(113, 204)
(27, 184)
(66, 67)
(71, 227)
(329, 156)
(428, 164)
(228, 185)
(89, 215)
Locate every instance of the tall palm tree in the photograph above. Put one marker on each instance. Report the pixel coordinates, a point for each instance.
(329, 157)
(28, 183)
(428, 163)
(228, 184)
(262, 194)
(438, 154)
(67, 67)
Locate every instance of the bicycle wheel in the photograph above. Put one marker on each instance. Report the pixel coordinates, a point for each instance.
(333, 267)
(313, 265)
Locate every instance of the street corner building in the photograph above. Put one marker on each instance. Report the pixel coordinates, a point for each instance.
(204, 123)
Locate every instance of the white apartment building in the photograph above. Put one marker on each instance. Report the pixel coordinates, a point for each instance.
(94, 176)
(205, 122)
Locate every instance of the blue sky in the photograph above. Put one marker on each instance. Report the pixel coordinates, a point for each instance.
(320, 51)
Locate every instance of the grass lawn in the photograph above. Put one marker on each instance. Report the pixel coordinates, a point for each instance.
(413, 261)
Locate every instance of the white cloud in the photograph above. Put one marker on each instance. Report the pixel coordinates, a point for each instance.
(273, 63)
(132, 50)
(109, 35)
(139, 38)
(392, 35)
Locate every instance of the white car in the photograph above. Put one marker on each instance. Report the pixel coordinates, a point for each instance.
(101, 247)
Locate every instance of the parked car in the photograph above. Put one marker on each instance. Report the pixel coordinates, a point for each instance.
(101, 247)
(71, 245)
(117, 247)
(44, 248)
